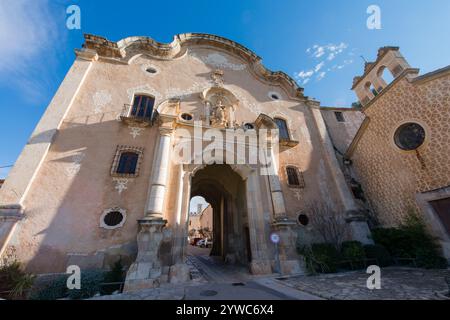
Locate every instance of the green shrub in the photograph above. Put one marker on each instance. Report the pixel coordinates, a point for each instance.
(378, 252)
(53, 289)
(56, 287)
(411, 240)
(90, 284)
(116, 274)
(353, 251)
(430, 260)
(14, 282)
(321, 257)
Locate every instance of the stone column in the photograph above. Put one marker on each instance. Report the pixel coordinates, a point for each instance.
(261, 263)
(290, 261)
(354, 215)
(146, 271)
(279, 209)
(160, 171)
(207, 113)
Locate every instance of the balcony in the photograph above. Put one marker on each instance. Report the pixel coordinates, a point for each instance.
(289, 142)
(135, 118)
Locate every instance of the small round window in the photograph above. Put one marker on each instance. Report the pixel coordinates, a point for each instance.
(151, 70)
(409, 136)
(113, 218)
(249, 126)
(274, 95)
(303, 219)
(186, 116)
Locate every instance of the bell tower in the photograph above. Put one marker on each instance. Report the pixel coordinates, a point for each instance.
(371, 83)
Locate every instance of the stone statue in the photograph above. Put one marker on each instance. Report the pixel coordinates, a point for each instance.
(220, 114)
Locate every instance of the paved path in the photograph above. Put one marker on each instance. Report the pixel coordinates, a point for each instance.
(233, 282)
(396, 284)
(214, 280)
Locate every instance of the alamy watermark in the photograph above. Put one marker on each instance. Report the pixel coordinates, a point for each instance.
(74, 280)
(73, 21)
(374, 20)
(227, 146)
(374, 280)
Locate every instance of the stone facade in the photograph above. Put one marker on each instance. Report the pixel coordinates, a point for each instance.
(206, 218)
(395, 180)
(342, 131)
(68, 201)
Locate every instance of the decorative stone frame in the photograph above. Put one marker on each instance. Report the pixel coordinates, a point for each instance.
(113, 209)
(399, 124)
(288, 123)
(121, 149)
(300, 177)
(423, 201)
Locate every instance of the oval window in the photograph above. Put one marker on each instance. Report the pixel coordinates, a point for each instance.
(186, 116)
(113, 218)
(303, 219)
(409, 136)
(249, 126)
(151, 70)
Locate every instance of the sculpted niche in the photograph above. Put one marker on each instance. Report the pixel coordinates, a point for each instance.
(220, 104)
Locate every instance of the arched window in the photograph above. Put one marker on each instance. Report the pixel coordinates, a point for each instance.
(127, 163)
(385, 74)
(371, 88)
(294, 177)
(282, 126)
(142, 107)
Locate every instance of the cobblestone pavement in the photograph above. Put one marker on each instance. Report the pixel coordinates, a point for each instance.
(212, 279)
(396, 284)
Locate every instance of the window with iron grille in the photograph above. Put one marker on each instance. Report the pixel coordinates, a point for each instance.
(126, 161)
(339, 116)
(282, 126)
(142, 107)
(295, 177)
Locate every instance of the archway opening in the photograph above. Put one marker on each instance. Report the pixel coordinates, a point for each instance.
(224, 190)
(200, 230)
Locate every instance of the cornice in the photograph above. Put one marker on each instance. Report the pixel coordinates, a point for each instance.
(126, 48)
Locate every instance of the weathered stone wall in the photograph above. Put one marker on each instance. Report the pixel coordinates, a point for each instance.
(391, 178)
(342, 133)
(74, 186)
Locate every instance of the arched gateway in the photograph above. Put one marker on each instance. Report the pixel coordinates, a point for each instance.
(136, 129)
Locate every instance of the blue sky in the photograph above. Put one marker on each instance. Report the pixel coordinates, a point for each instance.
(36, 48)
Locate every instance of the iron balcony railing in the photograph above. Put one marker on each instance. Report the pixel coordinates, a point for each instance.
(127, 114)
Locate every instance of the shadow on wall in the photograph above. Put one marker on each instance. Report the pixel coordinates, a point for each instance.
(70, 193)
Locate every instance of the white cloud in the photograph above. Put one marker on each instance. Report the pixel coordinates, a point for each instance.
(331, 49)
(29, 34)
(316, 51)
(321, 75)
(305, 74)
(319, 66)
